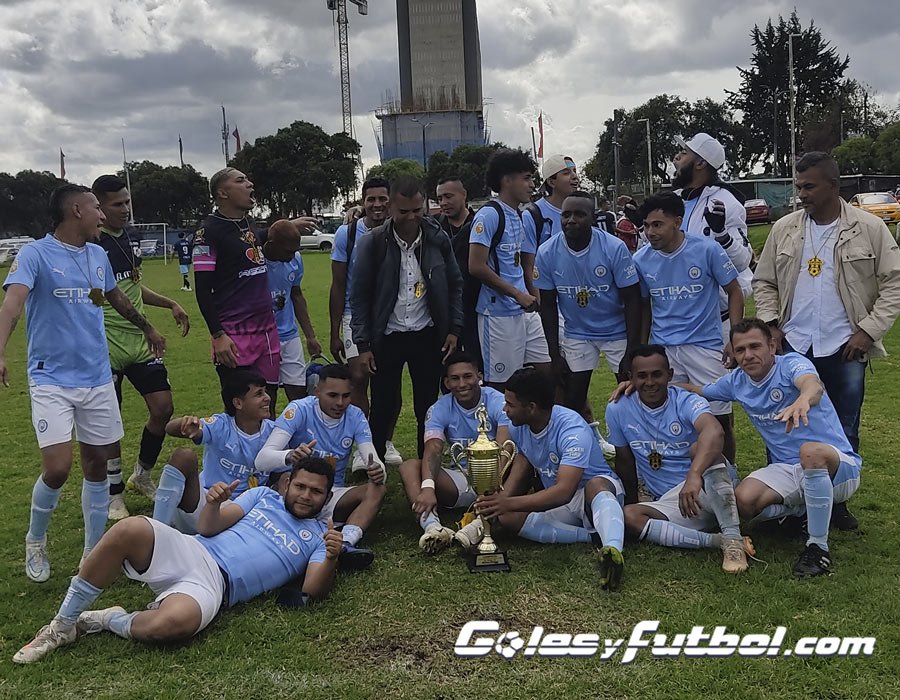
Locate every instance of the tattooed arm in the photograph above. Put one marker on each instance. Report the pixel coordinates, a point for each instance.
(117, 299)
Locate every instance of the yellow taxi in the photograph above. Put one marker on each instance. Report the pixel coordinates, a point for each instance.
(882, 204)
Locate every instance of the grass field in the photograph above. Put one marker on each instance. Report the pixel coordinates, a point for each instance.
(390, 632)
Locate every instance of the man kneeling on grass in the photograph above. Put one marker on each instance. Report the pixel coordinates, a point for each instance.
(246, 547)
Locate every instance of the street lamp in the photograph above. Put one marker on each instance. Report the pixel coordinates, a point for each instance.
(793, 129)
(424, 155)
(649, 159)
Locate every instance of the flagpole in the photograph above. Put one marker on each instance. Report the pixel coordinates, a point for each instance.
(128, 183)
(225, 135)
(180, 151)
(533, 144)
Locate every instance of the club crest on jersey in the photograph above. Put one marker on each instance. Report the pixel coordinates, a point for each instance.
(536, 274)
(776, 395)
(346, 442)
(582, 297)
(499, 367)
(100, 273)
(42, 426)
(479, 227)
(305, 535)
(554, 458)
(289, 413)
(600, 271)
(198, 236)
(675, 428)
(694, 272)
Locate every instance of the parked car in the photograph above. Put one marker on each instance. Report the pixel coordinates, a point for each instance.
(757, 211)
(882, 204)
(317, 240)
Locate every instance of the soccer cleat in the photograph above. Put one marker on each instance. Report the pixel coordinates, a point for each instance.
(117, 509)
(37, 564)
(469, 536)
(354, 558)
(93, 621)
(842, 518)
(734, 554)
(436, 538)
(813, 561)
(143, 484)
(612, 566)
(52, 636)
(358, 463)
(392, 457)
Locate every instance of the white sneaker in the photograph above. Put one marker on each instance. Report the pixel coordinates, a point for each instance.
(358, 464)
(470, 535)
(117, 509)
(436, 538)
(142, 484)
(37, 564)
(52, 636)
(93, 621)
(392, 457)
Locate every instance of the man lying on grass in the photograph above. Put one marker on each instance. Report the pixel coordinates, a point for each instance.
(246, 547)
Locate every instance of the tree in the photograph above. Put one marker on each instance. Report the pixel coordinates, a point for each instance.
(397, 167)
(887, 149)
(856, 155)
(299, 166)
(23, 202)
(764, 98)
(173, 195)
(468, 163)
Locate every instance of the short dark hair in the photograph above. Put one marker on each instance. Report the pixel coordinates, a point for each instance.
(60, 198)
(532, 385)
(374, 183)
(507, 161)
(451, 178)
(108, 184)
(821, 160)
(236, 386)
(745, 325)
(648, 350)
(460, 357)
(335, 371)
(315, 465)
(669, 203)
(406, 186)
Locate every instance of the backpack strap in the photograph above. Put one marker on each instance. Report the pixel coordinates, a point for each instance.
(351, 238)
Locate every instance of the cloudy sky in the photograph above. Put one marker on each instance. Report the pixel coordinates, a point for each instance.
(83, 75)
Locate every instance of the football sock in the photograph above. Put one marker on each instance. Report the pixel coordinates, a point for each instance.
(819, 495)
(78, 599)
(151, 446)
(775, 511)
(114, 476)
(720, 495)
(609, 520)
(351, 534)
(43, 502)
(168, 494)
(119, 623)
(538, 527)
(667, 534)
(428, 519)
(95, 509)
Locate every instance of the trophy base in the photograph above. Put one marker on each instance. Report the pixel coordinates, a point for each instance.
(483, 563)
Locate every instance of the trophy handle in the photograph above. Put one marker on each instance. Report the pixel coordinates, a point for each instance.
(458, 454)
(508, 450)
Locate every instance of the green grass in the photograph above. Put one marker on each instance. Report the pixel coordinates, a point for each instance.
(390, 631)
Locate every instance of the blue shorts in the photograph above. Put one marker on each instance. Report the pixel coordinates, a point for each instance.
(184, 269)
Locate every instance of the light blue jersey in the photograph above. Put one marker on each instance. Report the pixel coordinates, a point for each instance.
(683, 288)
(448, 421)
(283, 277)
(66, 336)
(566, 440)
(267, 547)
(587, 284)
(667, 430)
(551, 220)
(229, 452)
(764, 400)
(339, 253)
(304, 421)
(509, 251)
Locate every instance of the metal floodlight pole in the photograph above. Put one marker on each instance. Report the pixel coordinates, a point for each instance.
(128, 184)
(793, 125)
(649, 159)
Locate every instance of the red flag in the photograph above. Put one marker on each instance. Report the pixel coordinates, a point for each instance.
(62, 165)
(237, 139)
(540, 152)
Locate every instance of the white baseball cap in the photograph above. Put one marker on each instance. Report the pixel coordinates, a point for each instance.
(706, 147)
(556, 164)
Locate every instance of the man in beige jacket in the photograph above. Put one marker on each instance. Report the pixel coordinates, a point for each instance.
(828, 283)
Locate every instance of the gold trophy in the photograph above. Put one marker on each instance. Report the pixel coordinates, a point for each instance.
(484, 472)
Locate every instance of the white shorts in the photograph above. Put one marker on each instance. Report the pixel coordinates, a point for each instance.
(180, 564)
(787, 480)
(583, 355)
(465, 495)
(293, 363)
(93, 413)
(350, 349)
(509, 343)
(336, 493)
(573, 512)
(705, 521)
(697, 365)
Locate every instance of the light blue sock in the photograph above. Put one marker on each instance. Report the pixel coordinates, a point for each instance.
(95, 509)
(720, 495)
(78, 598)
(819, 495)
(168, 494)
(609, 520)
(775, 511)
(428, 519)
(667, 534)
(351, 534)
(43, 503)
(120, 623)
(539, 527)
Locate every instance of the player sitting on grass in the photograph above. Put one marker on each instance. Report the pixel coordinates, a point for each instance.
(246, 547)
(670, 438)
(450, 420)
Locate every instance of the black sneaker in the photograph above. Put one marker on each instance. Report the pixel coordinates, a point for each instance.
(612, 564)
(290, 596)
(355, 558)
(813, 561)
(842, 518)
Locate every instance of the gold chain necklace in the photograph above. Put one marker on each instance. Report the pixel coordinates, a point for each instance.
(135, 272)
(815, 264)
(655, 457)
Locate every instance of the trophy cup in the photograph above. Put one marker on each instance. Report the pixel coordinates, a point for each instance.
(484, 474)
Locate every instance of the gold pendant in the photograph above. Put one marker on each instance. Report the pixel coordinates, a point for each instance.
(96, 296)
(252, 482)
(814, 266)
(135, 275)
(517, 259)
(655, 459)
(419, 289)
(582, 297)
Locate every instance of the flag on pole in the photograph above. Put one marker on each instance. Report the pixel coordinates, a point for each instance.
(237, 139)
(62, 165)
(180, 151)
(540, 150)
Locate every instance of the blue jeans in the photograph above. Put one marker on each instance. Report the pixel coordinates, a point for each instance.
(845, 383)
